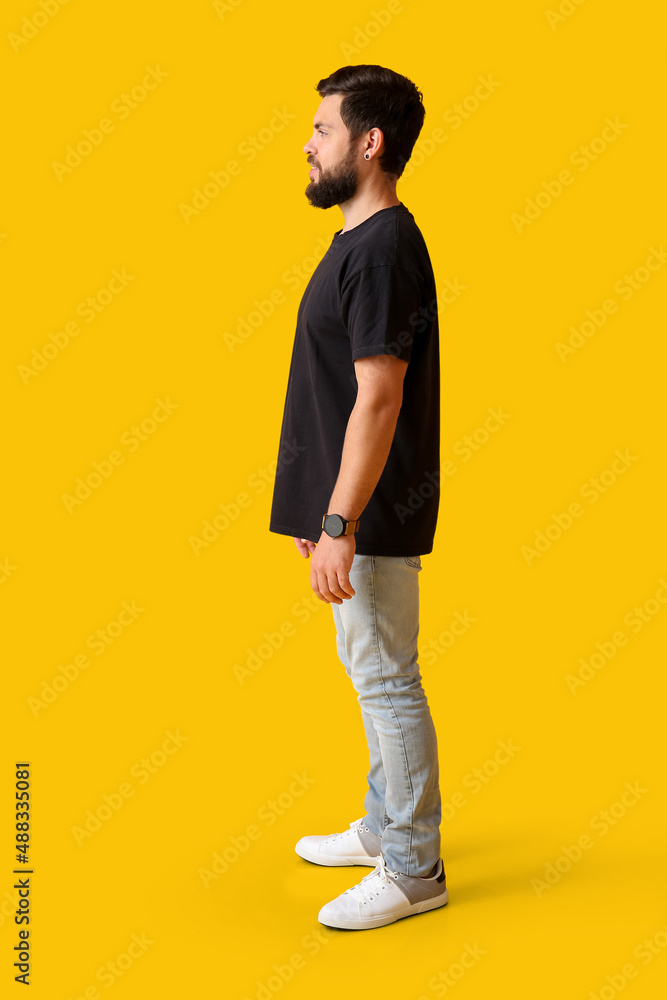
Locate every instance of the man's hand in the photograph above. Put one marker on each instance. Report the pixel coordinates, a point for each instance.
(330, 568)
(305, 546)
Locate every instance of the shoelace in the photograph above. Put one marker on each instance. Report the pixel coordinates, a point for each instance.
(334, 836)
(370, 886)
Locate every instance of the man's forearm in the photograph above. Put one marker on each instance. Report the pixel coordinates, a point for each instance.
(368, 437)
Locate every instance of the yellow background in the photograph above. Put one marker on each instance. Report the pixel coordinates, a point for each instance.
(171, 668)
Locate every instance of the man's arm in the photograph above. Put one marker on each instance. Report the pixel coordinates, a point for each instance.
(368, 437)
(369, 434)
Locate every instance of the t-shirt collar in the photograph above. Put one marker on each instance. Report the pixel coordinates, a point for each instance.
(340, 235)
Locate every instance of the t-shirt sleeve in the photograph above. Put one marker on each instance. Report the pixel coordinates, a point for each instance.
(380, 309)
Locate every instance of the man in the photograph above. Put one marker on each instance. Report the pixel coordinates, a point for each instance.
(360, 493)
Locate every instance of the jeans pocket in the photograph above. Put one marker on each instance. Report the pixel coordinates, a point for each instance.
(414, 561)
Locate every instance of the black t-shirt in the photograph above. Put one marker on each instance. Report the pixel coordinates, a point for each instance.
(372, 293)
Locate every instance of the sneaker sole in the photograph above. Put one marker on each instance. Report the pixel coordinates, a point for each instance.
(321, 859)
(350, 924)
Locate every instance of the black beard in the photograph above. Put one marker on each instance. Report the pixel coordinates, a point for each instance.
(335, 187)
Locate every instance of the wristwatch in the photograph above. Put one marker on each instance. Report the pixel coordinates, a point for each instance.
(335, 525)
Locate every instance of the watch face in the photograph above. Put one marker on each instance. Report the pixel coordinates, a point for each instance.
(333, 525)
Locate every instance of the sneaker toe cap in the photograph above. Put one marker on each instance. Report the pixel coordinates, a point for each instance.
(310, 844)
(341, 908)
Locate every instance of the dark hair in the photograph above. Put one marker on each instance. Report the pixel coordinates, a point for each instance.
(375, 97)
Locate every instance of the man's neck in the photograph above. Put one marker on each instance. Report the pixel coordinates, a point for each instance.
(358, 210)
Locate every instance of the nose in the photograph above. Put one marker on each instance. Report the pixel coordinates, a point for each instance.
(309, 147)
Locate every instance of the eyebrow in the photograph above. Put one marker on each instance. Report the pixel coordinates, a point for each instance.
(326, 125)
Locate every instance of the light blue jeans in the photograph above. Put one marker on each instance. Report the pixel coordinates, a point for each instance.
(376, 640)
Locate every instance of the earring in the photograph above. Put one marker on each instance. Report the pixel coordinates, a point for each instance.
(367, 156)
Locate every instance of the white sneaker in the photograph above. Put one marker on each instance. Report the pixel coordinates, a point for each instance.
(384, 896)
(356, 846)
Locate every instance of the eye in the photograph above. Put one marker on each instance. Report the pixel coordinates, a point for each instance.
(321, 132)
